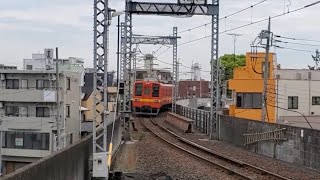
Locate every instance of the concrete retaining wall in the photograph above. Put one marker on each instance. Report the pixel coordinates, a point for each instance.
(302, 146)
(180, 122)
(70, 164)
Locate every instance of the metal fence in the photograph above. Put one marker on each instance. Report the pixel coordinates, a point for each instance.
(201, 117)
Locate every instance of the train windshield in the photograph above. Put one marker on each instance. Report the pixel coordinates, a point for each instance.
(138, 90)
(155, 90)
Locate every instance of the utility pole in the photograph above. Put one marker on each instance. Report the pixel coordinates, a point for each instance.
(234, 35)
(58, 118)
(265, 35)
(1, 147)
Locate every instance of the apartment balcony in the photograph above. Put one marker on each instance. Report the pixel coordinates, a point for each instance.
(27, 95)
(43, 124)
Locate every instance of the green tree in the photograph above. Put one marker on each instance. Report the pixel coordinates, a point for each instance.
(229, 63)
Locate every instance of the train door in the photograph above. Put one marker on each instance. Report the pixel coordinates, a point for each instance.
(147, 90)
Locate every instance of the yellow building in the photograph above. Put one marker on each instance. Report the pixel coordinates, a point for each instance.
(247, 86)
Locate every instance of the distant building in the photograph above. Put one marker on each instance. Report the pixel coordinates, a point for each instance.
(88, 98)
(190, 88)
(46, 61)
(2, 66)
(247, 87)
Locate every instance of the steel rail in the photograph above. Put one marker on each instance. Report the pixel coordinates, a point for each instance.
(241, 164)
(229, 170)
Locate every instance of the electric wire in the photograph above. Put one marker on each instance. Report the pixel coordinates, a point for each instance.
(304, 44)
(294, 49)
(180, 65)
(224, 17)
(249, 24)
(292, 111)
(296, 39)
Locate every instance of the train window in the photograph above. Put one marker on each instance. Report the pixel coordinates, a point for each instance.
(138, 90)
(146, 91)
(155, 90)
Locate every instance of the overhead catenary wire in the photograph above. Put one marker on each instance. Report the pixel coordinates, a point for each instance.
(249, 24)
(180, 65)
(224, 17)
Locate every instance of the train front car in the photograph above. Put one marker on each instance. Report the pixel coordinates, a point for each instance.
(150, 97)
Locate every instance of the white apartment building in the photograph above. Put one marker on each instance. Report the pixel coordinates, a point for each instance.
(40, 62)
(298, 95)
(28, 111)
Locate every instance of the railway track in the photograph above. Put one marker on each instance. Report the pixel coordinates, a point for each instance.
(226, 164)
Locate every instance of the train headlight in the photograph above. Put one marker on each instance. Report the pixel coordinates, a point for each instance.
(137, 100)
(157, 101)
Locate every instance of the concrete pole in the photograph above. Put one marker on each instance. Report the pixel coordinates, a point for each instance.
(58, 118)
(266, 75)
(1, 148)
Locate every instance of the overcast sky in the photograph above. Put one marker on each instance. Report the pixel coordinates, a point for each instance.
(28, 27)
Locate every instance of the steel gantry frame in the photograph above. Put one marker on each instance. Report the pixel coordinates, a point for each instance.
(100, 86)
(175, 72)
(164, 40)
(176, 9)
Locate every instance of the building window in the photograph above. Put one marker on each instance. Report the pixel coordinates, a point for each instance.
(42, 112)
(24, 111)
(12, 111)
(293, 102)
(12, 84)
(155, 90)
(315, 100)
(68, 111)
(24, 84)
(249, 100)
(138, 90)
(3, 139)
(26, 140)
(10, 136)
(68, 84)
(43, 84)
(71, 139)
(29, 67)
(36, 141)
(18, 140)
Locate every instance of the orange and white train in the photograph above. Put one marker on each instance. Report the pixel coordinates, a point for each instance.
(149, 97)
